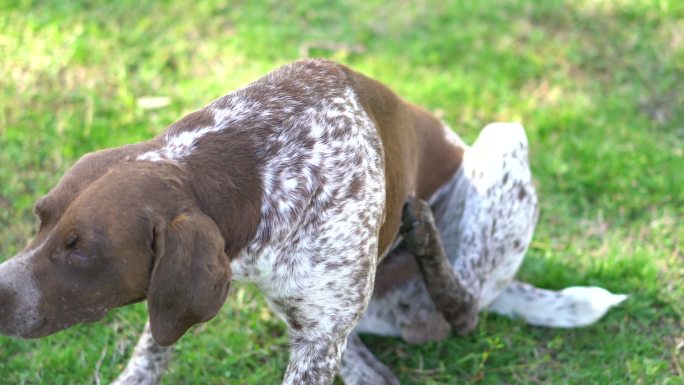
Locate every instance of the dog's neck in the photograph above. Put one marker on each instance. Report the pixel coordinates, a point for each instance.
(223, 176)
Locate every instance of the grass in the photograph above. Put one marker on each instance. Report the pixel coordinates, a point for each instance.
(599, 86)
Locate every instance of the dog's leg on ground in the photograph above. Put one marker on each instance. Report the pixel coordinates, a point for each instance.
(422, 239)
(318, 325)
(325, 303)
(318, 328)
(148, 363)
(360, 367)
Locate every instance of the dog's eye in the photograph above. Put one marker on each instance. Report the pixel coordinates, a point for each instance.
(78, 257)
(71, 241)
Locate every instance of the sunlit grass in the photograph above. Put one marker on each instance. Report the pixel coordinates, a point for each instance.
(597, 84)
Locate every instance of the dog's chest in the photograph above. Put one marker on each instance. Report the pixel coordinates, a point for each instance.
(329, 162)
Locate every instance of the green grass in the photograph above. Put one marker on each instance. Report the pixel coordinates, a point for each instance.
(599, 86)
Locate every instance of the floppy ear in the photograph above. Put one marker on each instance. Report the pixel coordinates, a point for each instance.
(190, 277)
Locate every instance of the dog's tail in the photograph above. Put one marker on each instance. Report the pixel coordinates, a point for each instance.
(571, 307)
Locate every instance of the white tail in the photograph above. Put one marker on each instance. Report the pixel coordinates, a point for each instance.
(571, 307)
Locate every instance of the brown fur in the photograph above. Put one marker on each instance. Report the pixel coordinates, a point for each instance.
(97, 205)
(418, 159)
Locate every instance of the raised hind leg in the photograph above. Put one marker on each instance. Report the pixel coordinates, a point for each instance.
(450, 295)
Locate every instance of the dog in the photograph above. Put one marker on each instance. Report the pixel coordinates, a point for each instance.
(295, 182)
(485, 215)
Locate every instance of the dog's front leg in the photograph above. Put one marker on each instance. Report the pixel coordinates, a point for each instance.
(321, 310)
(313, 360)
(148, 363)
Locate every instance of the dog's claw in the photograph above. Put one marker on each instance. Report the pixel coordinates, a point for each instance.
(417, 226)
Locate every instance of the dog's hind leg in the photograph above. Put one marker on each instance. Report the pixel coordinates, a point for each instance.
(148, 363)
(450, 295)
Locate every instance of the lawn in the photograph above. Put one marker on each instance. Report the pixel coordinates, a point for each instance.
(599, 86)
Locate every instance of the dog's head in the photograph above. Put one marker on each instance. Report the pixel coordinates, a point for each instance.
(114, 232)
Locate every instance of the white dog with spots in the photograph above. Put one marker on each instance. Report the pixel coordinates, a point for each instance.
(295, 182)
(486, 215)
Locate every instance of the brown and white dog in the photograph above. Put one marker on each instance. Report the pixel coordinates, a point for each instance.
(295, 182)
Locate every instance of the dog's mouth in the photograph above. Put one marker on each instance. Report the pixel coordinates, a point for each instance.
(94, 315)
(47, 326)
(42, 325)
(131, 302)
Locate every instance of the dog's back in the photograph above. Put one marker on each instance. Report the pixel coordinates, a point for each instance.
(420, 156)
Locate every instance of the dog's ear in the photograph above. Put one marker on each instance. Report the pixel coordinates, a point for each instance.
(190, 277)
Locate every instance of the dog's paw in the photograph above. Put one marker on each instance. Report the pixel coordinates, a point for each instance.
(424, 327)
(418, 226)
(465, 322)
